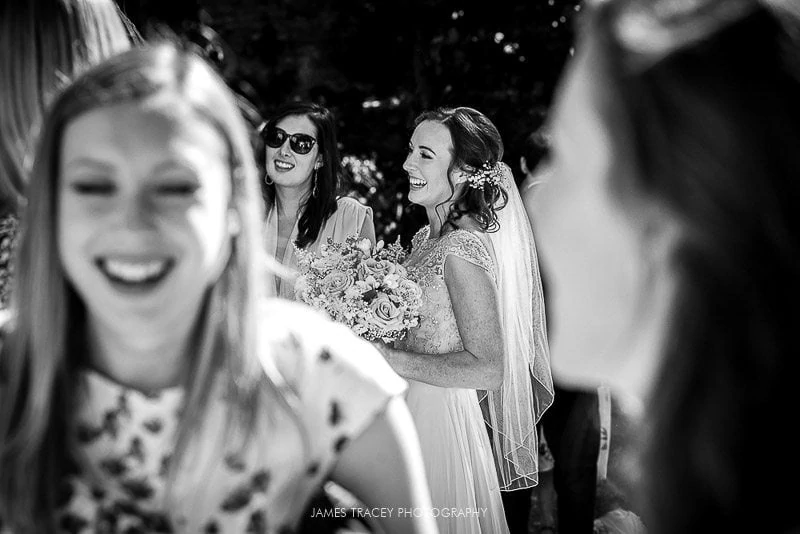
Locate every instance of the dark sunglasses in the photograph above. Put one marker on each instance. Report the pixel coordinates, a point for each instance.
(275, 137)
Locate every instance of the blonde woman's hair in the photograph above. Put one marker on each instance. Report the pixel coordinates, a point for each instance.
(43, 348)
(43, 45)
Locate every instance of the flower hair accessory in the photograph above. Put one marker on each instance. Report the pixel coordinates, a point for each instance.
(487, 173)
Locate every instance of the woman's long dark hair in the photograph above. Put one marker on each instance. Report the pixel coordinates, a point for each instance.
(476, 142)
(322, 204)
(712, 133)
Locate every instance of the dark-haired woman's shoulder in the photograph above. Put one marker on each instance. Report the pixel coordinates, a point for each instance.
(350, 207)
(350, 218)
(468, 228)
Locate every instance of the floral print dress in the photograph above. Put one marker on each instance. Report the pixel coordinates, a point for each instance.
(123, 440)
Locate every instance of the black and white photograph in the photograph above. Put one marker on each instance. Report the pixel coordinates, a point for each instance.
(412, 267)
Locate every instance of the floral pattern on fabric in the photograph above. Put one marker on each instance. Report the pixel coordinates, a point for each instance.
(122, 440)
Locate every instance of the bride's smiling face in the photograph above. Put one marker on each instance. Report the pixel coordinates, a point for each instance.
(430, 153)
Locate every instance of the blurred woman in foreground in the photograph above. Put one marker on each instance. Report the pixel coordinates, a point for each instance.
(669, 226)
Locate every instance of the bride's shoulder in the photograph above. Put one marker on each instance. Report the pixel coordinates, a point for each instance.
(465, 230)
(469, 241)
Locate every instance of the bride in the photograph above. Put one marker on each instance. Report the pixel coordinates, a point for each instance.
(481, 335)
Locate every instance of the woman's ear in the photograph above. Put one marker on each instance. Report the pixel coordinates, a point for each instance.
(319, 163)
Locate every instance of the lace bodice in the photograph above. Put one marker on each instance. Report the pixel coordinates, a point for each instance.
(437, 332)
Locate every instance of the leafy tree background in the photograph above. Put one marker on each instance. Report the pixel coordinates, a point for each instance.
(377, 64)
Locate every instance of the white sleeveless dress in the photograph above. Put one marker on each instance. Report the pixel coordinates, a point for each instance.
(455, 444)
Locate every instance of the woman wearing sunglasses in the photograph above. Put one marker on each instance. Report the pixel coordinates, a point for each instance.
(302, 173)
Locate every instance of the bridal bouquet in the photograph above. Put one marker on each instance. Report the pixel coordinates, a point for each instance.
(362, 286)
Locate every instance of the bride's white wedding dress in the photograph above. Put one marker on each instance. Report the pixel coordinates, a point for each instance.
(458, 458)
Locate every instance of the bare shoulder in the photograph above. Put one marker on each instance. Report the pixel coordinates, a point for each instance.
(348, 203)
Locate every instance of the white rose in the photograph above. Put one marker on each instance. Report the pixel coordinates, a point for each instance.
(386, 315)
(336, 282)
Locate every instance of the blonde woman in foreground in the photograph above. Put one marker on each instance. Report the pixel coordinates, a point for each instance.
(146, 383)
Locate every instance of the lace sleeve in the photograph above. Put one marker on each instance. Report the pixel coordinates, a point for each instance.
(469, 247)
(9, 228)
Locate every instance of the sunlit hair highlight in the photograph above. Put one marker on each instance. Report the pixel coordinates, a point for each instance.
(45, 44)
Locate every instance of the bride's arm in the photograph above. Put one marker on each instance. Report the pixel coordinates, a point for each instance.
(476, 309)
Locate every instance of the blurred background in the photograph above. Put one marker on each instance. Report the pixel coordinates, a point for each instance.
(377, 64)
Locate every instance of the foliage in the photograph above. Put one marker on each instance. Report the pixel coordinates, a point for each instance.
(378, 64)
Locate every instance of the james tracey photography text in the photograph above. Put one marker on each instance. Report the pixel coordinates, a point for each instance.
(387, 512)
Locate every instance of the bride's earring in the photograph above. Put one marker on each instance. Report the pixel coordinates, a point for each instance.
(268, 180)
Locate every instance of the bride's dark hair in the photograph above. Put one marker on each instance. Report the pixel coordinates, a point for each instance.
(476, 142)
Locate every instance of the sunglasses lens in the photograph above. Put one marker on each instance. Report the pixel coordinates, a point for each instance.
(301, 143)
(274, 137)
